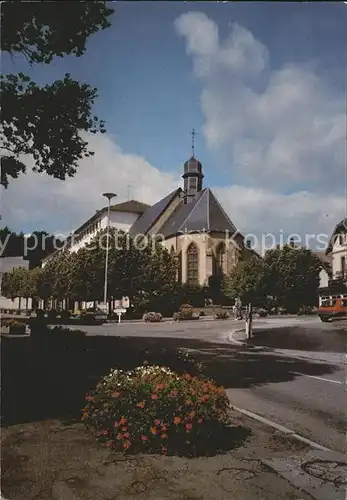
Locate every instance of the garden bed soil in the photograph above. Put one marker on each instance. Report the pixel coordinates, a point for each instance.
(53, 460)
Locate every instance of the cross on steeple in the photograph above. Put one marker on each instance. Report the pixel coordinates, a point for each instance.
(193, 134)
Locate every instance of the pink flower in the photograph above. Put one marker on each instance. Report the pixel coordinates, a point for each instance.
(189, 427)
(154, 396)
(144, 438)
(157, 422)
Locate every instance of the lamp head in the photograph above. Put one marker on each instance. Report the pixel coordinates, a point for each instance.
(109, 196)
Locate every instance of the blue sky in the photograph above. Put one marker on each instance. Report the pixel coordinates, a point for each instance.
(160, 72)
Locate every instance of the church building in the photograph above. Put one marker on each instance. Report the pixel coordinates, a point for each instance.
(190, 222)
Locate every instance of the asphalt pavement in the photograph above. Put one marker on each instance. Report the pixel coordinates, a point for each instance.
(313, 403)
(296, 376)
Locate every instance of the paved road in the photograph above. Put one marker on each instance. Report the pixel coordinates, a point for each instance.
(298, 380)
(314, 401)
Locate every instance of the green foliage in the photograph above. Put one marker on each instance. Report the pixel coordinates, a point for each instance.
(147, 276)
(40, 31)
(293, 276)
(247, 281)
(154, 409)
(47, 122)
(16, 283)
(286, 277)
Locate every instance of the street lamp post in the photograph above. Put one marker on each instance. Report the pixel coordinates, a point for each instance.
(109, 196)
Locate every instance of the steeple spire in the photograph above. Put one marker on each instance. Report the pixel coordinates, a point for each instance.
(192, 174)
(193, 134)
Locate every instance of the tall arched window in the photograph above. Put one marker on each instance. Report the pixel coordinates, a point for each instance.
(192, 265)
(179, 267)
(220, 259)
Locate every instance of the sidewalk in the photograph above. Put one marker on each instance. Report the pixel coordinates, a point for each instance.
(79, 468)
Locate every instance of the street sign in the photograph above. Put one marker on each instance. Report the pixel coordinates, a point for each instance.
(119, 311)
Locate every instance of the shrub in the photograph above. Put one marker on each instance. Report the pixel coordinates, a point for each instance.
(12, 323)
(186, 307)
(154, 409)
(152, 317)
(221, 314)
(15, 326)
(52, 315)
(186, 311)
(65, 314)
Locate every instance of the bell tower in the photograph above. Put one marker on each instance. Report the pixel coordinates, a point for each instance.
(192, 174)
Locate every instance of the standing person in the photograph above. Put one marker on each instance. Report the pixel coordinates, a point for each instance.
(238, 307)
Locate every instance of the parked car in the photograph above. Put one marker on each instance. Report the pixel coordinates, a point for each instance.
(94, 314)
(331, 309)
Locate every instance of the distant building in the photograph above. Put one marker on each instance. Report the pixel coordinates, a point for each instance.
(337, 253)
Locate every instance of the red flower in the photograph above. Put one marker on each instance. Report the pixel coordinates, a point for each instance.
(163, 450)
(126, 435)
(154, 396)
(189, 427)
(89, 397)
(122, 421)
(126, 445)
(157, 422)
(164, 428)
(144, 438)
(109, 444)
(104, 432)
(124, 428)
(160, 386)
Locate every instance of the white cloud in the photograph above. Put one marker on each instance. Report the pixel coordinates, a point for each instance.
(60, 206)
(281, 131)
(282, 128)
(37, 201)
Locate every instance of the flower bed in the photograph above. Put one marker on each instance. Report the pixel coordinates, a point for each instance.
(152, 317)
(154, 409)
(15, 326)
(221, 314)
(186, 312)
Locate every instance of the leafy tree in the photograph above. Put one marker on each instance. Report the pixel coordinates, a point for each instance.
(287, 276)
(46, 122)
(14, 284)
(144, 274)
(293, 276)
(249, 282)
